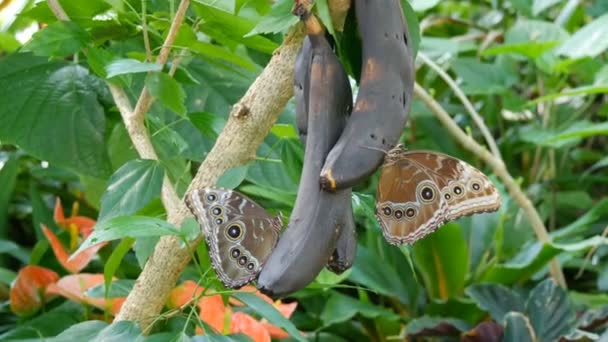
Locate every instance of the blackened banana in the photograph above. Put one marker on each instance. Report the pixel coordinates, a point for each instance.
(384, 99)
(301, 81)
(346, 247)
(343, 256)
(318, 216)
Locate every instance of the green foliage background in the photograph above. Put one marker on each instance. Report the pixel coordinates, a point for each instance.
(536, 71)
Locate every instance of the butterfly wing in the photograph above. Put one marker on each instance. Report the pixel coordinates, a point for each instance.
(404, 214)
(239, 232)
(413, 178)
(466, 189)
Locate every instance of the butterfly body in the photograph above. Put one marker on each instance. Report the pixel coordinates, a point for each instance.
(418, 191)
(240, 234)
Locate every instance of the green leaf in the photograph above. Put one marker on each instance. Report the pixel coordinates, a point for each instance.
(58, 100)
(128, 226)
(530, 50)
(232, 178)
(113, 262)
(284, 131)
(341, 308)
(324, 15)
(119, 331)
(420, 324)
(7, 276)
(550, 311)
(130, 188)
(496, 299)
(572, 134)
(540, 5)
(484, 78)
(118, 288)
(84, 331)
(277, 20)
(533, 258)
(144, 247)
(534, 32)
(582, 224)
(442, 258)
(58, 39)
(588, 41)
(8, 42)
(423, 5)
(168, 91)
(578, 91)
(47, 324)
(269, 312)
(9, 170)
(371, 271)
(130, 66)
(518, 328)
(14, 250)
(412, 23)
(224, 86)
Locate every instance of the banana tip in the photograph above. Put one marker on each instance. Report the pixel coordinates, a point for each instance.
(327, 181)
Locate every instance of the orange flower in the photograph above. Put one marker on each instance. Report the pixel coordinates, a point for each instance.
(28, 291)
(79, 227)
(81, 224)
(214, 312)
(74, 286)
(79, 261)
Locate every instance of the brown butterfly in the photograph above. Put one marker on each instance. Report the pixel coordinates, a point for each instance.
(418, 191)
(240, 234)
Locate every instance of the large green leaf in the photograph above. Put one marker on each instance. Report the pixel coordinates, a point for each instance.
(566, 137)
(496, 299)
(341, 308)
(128, 226)
(427, 325)
(372, 271)
(130, 66)
(8, 178)
(277, 20)
(533, 258)
(550, 311)
(133, 186)
(530, 38)
(223, 87)
(484, 78)
(58, 39)
(588, 41)
(47, 324)
(168, 91)
(53, 113)
(84, 331)
(518, 328)
(442, 259)
(119, 331)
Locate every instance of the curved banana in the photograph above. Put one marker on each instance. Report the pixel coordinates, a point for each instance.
(384, 99)
(318, 216)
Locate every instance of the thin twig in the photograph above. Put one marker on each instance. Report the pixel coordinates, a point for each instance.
(145, 99)
(499, 169)
(144, 28)
(465, 101)
(589, 255)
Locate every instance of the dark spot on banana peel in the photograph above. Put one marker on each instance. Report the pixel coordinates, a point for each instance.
(376, 113)
(310, 238)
